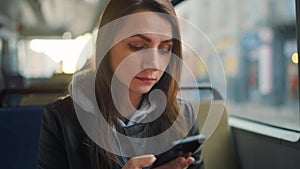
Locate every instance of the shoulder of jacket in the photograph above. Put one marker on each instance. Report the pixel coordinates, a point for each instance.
(62, 111)
(62, 103)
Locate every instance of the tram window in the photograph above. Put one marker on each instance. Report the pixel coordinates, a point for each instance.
(0, 47)
(1, 75)
(51, 56)
(256, 43)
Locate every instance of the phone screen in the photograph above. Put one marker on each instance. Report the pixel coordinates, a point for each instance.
(180, 147)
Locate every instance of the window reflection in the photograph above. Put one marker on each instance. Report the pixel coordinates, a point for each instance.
(256, 41)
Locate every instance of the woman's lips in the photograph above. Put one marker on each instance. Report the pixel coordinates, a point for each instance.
(146, 79)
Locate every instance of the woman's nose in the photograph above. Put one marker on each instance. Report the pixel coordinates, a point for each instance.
(152, 59)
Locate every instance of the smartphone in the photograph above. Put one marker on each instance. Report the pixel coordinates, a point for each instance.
(180, 147)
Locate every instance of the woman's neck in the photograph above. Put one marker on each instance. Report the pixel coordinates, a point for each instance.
(128, 107)
(135, 99)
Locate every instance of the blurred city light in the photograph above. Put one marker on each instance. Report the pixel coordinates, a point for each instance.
(295, 58)
(66, 51)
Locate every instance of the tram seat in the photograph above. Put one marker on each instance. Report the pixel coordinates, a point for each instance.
(19, 128)
(20, 121)
(29, 97)
(218, 151)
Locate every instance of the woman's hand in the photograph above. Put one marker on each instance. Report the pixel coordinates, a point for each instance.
(140, 162)
(178, 163)
(147, 160)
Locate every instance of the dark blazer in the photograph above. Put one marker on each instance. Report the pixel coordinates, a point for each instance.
(65, 145)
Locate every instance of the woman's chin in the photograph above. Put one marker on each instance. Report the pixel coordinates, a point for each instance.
(141, 89)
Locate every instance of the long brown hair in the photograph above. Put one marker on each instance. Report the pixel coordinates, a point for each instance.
(117, 9)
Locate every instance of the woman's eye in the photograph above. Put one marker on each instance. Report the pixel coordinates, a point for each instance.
(136, 47)
(165, 51)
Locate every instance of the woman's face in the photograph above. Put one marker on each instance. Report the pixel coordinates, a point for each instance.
(140, 60)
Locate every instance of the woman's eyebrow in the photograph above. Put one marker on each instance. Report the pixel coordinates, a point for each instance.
(168, 40)
(149, 40)
(142, 37)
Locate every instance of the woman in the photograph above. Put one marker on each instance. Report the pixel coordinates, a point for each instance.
(134, 89)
